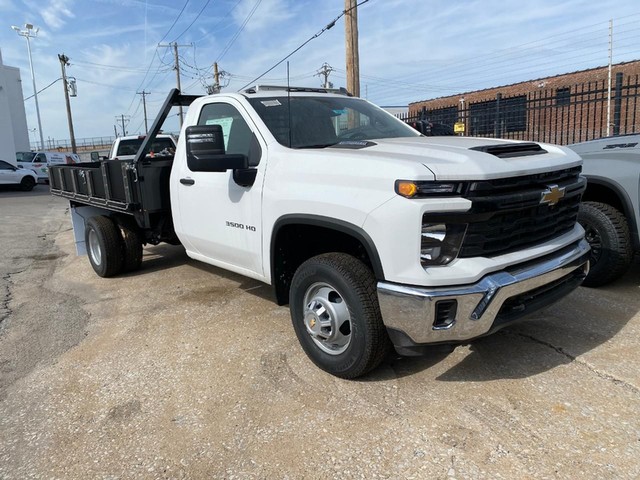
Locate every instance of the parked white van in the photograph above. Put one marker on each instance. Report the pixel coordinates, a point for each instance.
(39, 162)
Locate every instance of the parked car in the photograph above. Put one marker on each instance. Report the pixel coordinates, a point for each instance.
(39, 162)
(18, 176)
(610, 212)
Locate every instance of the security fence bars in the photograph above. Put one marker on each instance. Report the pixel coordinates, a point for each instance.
(560, 115)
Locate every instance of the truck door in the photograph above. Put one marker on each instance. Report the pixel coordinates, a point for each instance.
(220, 221)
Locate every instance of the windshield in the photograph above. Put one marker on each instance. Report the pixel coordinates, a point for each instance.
(24, 156)
(318, 122)
(131, 147)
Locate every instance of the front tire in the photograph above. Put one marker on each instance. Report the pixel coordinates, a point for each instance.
(607, 232)
(27, 184)
(336, 316)
(104, 246)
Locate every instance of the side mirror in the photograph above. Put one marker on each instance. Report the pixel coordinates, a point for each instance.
(205, 150)
(95, 156)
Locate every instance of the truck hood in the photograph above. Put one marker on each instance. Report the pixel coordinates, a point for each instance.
(453, 158)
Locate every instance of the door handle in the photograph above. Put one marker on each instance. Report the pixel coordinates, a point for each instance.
(187, 181)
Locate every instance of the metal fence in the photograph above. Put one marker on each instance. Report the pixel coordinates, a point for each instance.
(82, 144)
(562, 115)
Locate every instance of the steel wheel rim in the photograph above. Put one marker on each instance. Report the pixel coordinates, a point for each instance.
(595, 242)
(94, 247)
(327, 319)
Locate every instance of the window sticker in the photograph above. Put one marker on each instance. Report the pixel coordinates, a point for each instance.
(271, 103)
(225, 123)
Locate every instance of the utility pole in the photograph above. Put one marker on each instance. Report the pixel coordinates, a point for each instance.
(351, 37)
(176, 67)
(216, 77)
(64, 61)
(122, 119)
(144, 106)
(324, 71)
(215, 87)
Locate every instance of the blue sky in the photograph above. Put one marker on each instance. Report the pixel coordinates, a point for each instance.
(409, 49)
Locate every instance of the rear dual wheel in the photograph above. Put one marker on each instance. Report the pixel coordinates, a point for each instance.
(112, 248)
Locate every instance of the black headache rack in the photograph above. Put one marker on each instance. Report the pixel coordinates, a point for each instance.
(138, 187)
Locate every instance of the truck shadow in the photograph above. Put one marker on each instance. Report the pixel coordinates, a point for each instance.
(13, 191)
(164, 257)
(557, 336)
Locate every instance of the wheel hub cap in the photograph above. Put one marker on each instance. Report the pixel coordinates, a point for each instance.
(327, 318)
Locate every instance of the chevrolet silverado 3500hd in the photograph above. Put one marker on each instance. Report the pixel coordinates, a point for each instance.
(375, 235)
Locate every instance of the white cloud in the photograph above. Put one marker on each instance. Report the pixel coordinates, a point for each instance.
(57, 13)
(268, 14)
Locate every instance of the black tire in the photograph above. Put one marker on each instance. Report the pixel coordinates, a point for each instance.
(27, 183)
(607, 232)
(341, 278)
(104, 246)
(132, 247)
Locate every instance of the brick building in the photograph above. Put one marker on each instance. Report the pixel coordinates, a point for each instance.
(561, 109)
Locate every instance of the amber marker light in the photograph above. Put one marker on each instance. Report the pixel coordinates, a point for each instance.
(406, 189)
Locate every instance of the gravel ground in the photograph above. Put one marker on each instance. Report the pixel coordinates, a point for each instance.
(183, 370)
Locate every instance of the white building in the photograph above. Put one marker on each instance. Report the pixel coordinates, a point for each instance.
(14, 135)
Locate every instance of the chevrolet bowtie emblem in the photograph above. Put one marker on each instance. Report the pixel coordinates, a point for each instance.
(552, 195)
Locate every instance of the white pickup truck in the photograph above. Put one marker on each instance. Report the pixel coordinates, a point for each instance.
(126, 147)
(375, 235)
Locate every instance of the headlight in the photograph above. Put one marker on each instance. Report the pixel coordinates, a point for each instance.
(424, 189)
(440, 243)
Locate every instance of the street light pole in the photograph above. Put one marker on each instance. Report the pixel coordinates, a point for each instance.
(28, 33)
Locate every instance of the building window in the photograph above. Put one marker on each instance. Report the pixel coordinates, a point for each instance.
(491, 117)
(563, 96)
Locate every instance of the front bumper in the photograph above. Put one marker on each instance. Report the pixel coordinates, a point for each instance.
(417, 316)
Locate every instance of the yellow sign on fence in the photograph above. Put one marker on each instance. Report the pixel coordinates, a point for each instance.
(458, 127)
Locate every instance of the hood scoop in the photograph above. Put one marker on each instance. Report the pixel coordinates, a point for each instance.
(510, 150)
(353, 144)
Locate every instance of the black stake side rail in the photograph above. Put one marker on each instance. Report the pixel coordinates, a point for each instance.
(133, 186)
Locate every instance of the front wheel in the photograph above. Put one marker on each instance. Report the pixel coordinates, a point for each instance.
(336, 316)
(27, 184)
(607, 232)
(104, 246)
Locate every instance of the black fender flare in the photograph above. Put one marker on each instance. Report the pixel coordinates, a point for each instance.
(624, 198)
(332, 224)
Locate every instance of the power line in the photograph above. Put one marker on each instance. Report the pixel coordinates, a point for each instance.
(479, 67)
(42, 90)
(327, 27)
(194, 21)
(174, 22)
(214, 28)
(237, 34)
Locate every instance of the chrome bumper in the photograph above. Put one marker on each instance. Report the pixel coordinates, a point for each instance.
(413, 310)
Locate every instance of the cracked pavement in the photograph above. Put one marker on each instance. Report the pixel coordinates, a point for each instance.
(183, 370)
